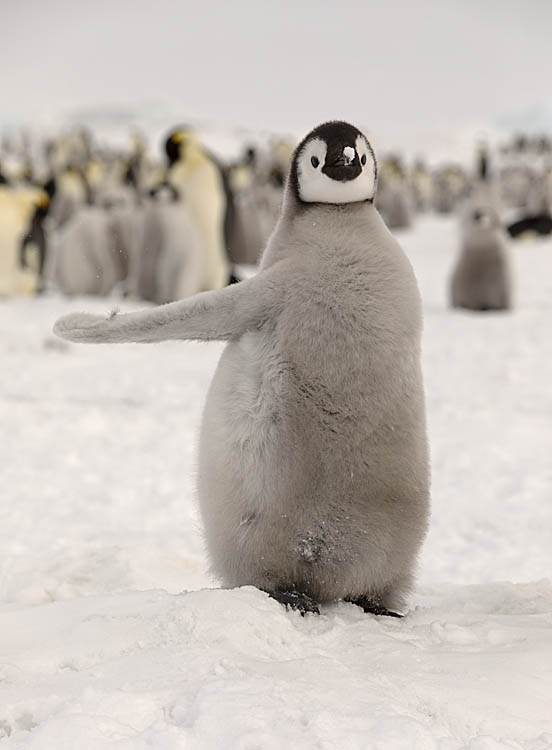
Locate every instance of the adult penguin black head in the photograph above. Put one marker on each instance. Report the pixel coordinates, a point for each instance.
(50, 187)
(35, 234)
(482, 156)
(175, 144)
(250, 156)
(334, 164)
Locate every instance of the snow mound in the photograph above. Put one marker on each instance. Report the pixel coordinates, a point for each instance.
(233, 669)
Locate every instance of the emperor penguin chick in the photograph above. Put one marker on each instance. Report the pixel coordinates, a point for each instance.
(481, 279)
(313, 464)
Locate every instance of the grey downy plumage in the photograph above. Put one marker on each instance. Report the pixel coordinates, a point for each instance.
(481, 279)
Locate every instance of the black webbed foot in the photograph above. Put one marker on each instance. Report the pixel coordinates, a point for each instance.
(295, 600)
(233, 279)
(373, 608)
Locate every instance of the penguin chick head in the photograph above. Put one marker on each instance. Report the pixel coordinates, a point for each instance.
(335, 164)
(483, 218)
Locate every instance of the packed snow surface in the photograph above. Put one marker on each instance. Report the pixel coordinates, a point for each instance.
(112, 633)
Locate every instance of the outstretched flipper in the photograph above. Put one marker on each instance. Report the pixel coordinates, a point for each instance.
(222, 314)
(295, 600)
(373, 608)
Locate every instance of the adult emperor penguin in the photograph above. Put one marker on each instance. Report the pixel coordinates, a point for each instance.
(19, 274)
(198, 179)
(313, 464)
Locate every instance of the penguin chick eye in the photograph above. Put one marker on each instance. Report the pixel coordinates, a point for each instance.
(363, 159)
(314, 161)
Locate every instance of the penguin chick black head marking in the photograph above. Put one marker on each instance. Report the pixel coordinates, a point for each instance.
(484, 217)
(334, 163)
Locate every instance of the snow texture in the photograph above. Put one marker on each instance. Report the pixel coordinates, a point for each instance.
(111, 633)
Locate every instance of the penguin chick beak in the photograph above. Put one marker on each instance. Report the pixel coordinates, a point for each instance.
(345, 167)
(346, 158)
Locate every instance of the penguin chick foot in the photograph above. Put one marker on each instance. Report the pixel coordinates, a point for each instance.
(373, 608)
(233, 279)
(295, 600)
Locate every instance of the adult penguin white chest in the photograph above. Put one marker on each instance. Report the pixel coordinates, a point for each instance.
(17, 206)
(198, 179)
(313, 471)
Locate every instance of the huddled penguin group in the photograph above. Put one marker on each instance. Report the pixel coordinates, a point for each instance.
(82, 219)
(526, 183)
(100, 221)
(481, 279)
(313, 463)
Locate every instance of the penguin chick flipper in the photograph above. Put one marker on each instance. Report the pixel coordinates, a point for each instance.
(295, 600)
(79, 326)
(373, 608)
(218, 315)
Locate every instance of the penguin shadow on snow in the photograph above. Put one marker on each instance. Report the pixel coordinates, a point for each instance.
(313, 473)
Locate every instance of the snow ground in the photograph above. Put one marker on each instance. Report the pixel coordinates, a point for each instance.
(110, 637)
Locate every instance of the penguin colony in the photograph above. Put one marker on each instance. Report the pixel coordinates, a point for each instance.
(82, 219)
(313, 463)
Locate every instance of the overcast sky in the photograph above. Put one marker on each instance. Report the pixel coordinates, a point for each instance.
(395, 68)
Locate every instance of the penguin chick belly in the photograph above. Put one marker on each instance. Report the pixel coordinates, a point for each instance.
(290, 496)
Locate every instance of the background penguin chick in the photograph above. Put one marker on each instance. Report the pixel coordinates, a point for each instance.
(257, 206)
(168, 262)
(420, 186)
(450, 186)
(393, 197)
(481, 279)
(84, 256)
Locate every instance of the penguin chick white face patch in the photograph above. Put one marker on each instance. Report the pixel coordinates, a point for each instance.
(335, 164)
